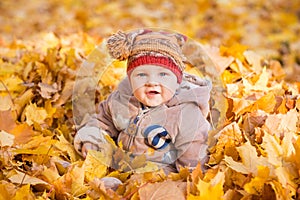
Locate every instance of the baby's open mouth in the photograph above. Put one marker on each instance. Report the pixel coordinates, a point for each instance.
(152, 92)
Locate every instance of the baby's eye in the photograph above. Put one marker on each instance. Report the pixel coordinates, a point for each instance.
(141, 74)
(163, 74)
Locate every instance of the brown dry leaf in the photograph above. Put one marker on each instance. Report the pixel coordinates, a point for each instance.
(65, 94)
(7, 120)
(163, 190)
(253, 120)
(46, 90)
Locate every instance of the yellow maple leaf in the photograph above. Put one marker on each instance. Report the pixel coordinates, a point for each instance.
(256, 185)
(35, 114)
(12, 84)
(230, 77)
(228, 137)
(93, 166)
(66, 146)
(24, 193)
(249, 158)
(298, 101)
(260, 84)
(272, 147)
(266, 103)
(71, 183)
(49, 109)
(236, 50)
(209, 190)
(286, 177)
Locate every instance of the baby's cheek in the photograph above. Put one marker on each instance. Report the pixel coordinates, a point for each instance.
(167, 94)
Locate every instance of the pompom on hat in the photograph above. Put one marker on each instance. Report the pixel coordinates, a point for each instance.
(142, 47)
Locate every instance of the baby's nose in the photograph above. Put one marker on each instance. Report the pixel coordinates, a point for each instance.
(151, 83)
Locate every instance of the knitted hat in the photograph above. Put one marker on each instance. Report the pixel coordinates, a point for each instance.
(147, 47)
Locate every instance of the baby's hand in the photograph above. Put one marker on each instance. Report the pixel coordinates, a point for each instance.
(88, 146)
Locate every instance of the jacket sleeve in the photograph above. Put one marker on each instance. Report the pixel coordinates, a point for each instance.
(191, 141)
(96, 127)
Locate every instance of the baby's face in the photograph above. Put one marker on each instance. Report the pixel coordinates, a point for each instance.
(153, 85)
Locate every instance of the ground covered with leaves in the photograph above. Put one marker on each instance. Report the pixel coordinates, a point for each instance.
(253, 48)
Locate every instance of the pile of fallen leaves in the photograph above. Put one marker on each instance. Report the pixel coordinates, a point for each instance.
(254, 146)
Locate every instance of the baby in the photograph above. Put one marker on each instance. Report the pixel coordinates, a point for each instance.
(156, 106)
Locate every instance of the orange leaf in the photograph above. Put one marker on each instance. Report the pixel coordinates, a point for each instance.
(7, 120)
(23, 133)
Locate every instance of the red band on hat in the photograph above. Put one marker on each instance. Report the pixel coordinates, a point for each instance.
(155, 60)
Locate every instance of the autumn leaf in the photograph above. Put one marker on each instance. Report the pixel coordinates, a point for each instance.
(35, 114)
(22, 178)
(228, 138)
(71, 183)
(93, 166)
(8, 190)
(278, 124)
(256, 185)
(248, 163)
(209, 190)
(163, 190)
(6, 139)
(23, 133)
(259, 85)
(7, 120)
(24, 193)
(6, 103)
